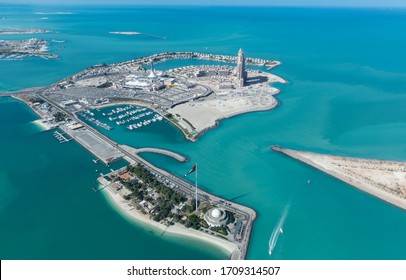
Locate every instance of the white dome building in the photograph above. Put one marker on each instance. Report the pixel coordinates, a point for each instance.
(216, 217)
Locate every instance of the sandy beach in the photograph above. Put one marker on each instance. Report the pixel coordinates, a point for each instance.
(40, 123)
(206, 114)
(133, 215)
(385, 180)
(199, 115)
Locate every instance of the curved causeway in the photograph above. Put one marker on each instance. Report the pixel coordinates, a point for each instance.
(171, 154)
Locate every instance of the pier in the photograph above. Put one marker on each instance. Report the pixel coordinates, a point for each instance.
(61, 138)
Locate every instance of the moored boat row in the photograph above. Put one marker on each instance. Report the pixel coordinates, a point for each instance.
(145, 122)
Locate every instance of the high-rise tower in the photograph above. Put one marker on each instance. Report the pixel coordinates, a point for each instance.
(241, 73)
(152, 74)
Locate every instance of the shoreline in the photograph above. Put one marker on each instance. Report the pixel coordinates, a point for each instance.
(131, 214)
(39, 123)
(382, 183)
(26, 103)
(217, 121)
(199, 133)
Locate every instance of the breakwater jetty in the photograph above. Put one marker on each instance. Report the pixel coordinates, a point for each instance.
(171, 154)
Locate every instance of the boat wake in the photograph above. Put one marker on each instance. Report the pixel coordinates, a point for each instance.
(278, 229)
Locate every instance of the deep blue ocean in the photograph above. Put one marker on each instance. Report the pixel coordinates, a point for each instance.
(346, 96)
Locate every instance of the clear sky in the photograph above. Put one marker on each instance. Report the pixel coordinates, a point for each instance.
(328, 3)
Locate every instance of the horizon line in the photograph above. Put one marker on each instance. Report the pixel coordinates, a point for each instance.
(202, 5)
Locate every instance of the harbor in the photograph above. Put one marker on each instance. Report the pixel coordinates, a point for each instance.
(76, 104)
(130, 116)
(89, 116)
(108, 151)
(133, 117)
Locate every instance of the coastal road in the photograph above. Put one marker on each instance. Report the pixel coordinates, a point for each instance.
(182, 185)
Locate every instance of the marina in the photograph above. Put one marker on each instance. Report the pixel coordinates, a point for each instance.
(89, 116)
(130, 116)
(109, 151)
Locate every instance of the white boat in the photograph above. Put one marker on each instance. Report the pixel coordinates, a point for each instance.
(280, 230)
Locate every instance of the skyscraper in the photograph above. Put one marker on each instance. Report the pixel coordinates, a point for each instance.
(241, 73)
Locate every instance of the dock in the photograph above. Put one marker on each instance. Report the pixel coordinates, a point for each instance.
(61, 137)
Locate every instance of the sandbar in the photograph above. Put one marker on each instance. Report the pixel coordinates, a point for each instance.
(125, 32)
(383, 179)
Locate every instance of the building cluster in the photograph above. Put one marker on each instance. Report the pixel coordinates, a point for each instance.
(226, 76)
(17, 49)
(200, 56)
(163, 89)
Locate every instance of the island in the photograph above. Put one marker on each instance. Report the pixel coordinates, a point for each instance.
(131, 33)
(13, 31)
(19, 49)
(193, 98)
(383, 179)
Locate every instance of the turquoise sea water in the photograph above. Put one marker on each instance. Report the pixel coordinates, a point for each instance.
(346, 95)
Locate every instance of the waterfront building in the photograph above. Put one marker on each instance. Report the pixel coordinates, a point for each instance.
(240, 70)
(152, 74)
(216, 217)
